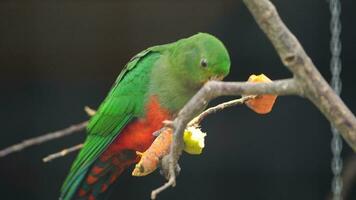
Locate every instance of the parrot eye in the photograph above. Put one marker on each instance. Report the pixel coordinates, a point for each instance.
(204, 62)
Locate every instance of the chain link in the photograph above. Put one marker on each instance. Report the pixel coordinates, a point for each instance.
(335, 68)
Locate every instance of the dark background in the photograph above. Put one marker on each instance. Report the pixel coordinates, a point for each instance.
(58, 56)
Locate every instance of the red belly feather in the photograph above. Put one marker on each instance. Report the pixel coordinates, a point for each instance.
(137, 135)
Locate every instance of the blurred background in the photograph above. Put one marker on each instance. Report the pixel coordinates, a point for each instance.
(58, 56)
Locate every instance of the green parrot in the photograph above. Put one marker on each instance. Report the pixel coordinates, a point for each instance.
(153, 86)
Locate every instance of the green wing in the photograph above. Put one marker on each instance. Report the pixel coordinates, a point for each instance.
(123, 103)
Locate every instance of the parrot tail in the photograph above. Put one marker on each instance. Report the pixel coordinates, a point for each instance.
(98, 180)
(95, 181)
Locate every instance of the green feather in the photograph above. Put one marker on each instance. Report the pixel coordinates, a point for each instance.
(123, 103)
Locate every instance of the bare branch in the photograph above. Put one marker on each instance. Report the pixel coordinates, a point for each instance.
(43, 138)
(306, 82)
(313, 85)
(90, 112)
(49, 136)
(197, 120)
(208, 92)
(154, 193)
(62, 153)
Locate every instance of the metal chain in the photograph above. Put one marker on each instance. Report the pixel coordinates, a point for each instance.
(335, 67)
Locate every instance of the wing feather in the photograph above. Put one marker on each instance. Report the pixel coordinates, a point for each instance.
(123, 103)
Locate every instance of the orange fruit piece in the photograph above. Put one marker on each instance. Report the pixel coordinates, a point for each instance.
(262, 104)
(150, 158)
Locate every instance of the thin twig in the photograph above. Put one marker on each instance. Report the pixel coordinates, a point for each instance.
(62, 153)
(90, 112)
(43, 138)
(169, 183)
(197, 120)
(49, 136)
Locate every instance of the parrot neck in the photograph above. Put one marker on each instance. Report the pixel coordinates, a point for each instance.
(173, 92)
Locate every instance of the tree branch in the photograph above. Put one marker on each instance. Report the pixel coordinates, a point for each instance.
(197, 120)
(312, 84)
(62, 153)
(306, 82)
(43, 138)
(49, 136)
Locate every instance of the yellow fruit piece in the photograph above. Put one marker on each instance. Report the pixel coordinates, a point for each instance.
(193, 140)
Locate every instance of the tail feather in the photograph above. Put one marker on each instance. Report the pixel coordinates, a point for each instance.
(91, 184)
(95, 184)
(84, 181)
(68, 192)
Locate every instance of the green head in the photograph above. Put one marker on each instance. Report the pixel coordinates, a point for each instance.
(191, 62)
(200, 58)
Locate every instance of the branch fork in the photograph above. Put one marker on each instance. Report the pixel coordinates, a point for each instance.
(306, 82)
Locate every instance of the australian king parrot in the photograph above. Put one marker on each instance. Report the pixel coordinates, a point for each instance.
(153, 86)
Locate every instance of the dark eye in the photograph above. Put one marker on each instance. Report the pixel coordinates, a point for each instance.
(204, 62)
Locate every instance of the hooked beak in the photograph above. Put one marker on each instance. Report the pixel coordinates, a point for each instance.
(217, 78)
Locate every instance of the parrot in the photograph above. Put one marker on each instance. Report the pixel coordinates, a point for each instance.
(151, 88)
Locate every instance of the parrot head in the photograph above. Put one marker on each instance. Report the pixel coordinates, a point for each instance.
(201, 57)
